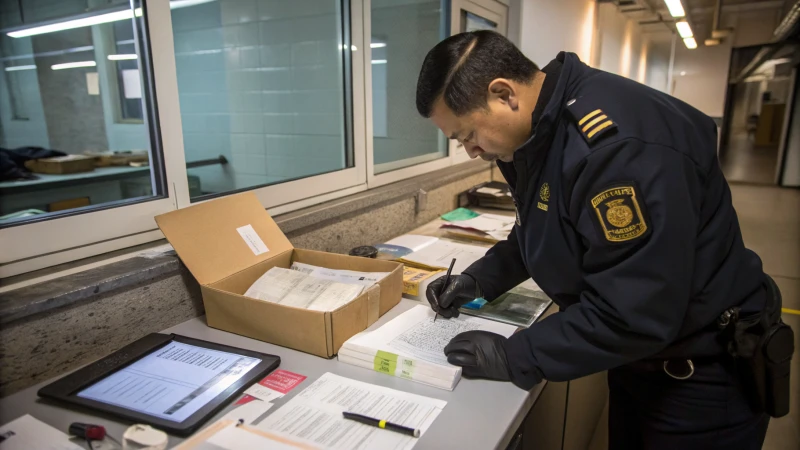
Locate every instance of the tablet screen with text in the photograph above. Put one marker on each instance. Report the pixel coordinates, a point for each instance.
(173, 382)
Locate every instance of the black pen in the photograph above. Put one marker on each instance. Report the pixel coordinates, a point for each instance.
(381, 424)
(446, 280)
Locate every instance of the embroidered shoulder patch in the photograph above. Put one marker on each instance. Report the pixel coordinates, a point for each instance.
(619, 214)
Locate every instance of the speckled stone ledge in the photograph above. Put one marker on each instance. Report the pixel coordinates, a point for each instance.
(306, 229)
(60, 292)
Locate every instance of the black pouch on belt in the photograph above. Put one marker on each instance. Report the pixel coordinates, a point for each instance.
(762, 346)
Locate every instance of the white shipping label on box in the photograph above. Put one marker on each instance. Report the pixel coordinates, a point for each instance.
(252, 239)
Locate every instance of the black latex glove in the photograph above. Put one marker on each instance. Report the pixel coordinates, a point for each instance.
(461, 290)
(481, 354)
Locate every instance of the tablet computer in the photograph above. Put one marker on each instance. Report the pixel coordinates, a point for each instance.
(171, 382)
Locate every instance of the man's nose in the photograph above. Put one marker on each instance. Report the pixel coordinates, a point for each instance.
(472, 150)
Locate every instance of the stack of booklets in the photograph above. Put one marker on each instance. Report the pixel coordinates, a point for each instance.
(311, 287)
(412, 345)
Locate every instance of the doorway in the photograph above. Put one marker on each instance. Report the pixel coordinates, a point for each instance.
(757, 115)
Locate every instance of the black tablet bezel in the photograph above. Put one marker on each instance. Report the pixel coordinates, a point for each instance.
(65, 388)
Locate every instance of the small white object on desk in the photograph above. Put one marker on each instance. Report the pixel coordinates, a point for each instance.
(28, 432)
(248, 412)
(144, 437)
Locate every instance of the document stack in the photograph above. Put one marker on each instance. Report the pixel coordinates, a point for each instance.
(311, 287)
(412, 345)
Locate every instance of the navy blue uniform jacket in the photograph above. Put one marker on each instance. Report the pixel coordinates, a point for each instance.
(625, 220)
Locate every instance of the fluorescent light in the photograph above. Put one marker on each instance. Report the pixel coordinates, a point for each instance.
(691, 44)
(177, 4)
(683, 73)
(122, 57)
(126, 14)
(73, 65)
(16, 68)
(378, 61)
(77, 23)
(675, 8)
(684, 29)
(377, 45)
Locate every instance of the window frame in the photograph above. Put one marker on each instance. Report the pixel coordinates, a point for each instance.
(488, 9)
(80, 235)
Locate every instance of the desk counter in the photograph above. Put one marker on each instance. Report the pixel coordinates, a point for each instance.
(479, 414)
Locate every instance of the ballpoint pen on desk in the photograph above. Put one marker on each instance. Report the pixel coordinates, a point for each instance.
(366, 420)
(444, 286)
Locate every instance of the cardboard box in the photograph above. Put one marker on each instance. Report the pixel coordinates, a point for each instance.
(60, 165)
(228, 243)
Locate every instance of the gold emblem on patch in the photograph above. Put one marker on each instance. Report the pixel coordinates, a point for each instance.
(544, 192)
(619, 214)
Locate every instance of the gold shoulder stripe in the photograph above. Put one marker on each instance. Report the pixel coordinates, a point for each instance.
(594, 122)
(589, 116)
(600, 127)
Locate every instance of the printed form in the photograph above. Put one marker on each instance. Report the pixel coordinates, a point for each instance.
(315, 415)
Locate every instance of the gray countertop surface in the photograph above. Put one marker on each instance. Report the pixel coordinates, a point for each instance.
(479, 414)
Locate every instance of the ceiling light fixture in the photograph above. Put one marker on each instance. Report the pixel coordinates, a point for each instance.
(684, 29)
(675, 8)
(73, 65)
(691, 44)
(123, 57)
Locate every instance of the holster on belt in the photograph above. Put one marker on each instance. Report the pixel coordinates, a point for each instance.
(762, 347)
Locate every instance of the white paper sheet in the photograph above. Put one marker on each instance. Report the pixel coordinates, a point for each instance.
(485, 223)
(321, 295)
(172, 382)
(439, 255)
(316, 415)
(226, 434)
(275, 284)
(294, 288)
(249, 412)
(340, 276)
(415, 242)
(488, 190)
(28, 432)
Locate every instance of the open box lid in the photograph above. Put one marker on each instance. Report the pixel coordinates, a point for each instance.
(219, 238)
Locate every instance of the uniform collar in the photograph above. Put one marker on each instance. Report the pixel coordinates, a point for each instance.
(563, 73)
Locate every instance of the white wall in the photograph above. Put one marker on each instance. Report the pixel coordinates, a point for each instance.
(550, 26)
(791, 168)
(706, 80)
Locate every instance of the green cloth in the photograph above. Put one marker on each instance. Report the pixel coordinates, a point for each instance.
(459, 214)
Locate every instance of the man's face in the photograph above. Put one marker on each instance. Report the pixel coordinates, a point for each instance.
(491, 133)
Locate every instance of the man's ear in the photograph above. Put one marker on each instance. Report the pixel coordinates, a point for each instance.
(502, 90)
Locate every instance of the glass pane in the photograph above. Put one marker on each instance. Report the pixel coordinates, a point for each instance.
(63, 146)
(262, 91)
(474, 22)
(402, 34)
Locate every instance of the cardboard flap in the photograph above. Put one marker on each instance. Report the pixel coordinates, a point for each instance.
(221, 237)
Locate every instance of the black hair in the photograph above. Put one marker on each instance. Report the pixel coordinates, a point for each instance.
(461, 67)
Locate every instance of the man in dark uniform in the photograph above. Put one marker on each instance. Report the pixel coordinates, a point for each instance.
(624, 219)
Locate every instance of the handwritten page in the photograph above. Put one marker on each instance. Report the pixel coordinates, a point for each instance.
(315, 415)
(413, 344)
